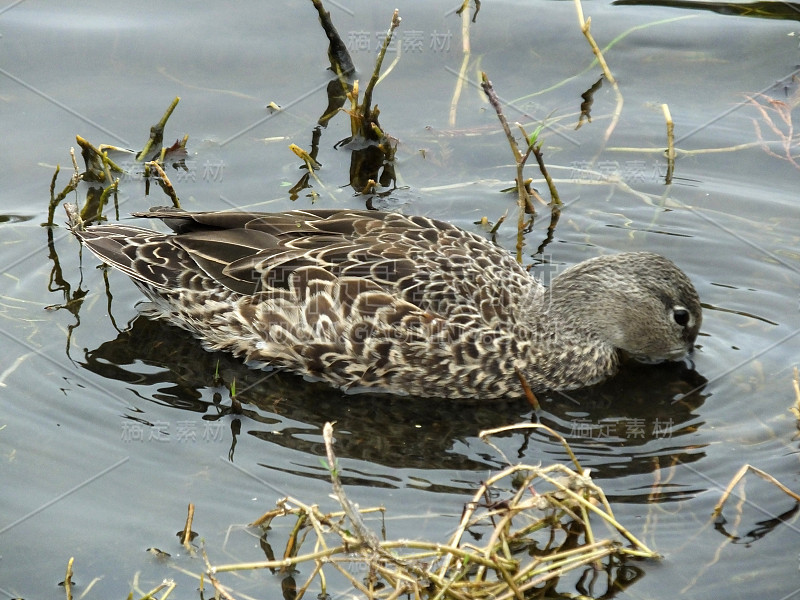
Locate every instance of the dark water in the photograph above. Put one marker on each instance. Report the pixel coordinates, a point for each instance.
(111, 424)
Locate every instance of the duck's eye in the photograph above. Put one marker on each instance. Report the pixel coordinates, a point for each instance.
(681, 316)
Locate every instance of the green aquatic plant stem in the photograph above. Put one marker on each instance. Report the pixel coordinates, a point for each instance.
(114, 187)
(157, 131)
(535, 147)
(341, 62)
(376, 71)
(91, 154)
(71, 186)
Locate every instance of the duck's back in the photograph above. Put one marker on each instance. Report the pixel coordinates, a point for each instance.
(428, 263)
(359, 298)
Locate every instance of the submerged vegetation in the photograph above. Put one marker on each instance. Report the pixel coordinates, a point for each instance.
(525, 528)
(535, 524)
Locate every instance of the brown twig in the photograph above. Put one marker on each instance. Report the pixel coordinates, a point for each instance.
(524, 200)
(537, 152)
(211, 574)
(529, 395)
(164, 182)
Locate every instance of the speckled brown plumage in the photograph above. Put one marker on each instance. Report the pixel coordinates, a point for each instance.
(378, 301)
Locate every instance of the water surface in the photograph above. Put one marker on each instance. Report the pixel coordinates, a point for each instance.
(112, 424)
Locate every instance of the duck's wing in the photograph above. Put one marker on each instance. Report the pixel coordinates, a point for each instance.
(253, 252)
(431, 264)
(158, 261)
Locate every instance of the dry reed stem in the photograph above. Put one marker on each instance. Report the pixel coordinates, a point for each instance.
(87, 589)
(462, 71)
(187, 528)
(608, 515)
(680, 152)
(364, 534)
(670, 143)
(558, 571)
(309, 580)
(586, 25)
(167, 584)
(486, 433)
(739, 475)
(68, 578)
(211, 574)
(787, 139)
(795, 408)
(783, 110)
(456, 570)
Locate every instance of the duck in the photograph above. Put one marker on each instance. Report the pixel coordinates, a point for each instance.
(371, 301)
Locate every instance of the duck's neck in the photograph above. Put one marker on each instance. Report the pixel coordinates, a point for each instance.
(565, 347)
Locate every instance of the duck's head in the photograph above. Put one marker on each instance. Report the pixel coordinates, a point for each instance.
(638, 302)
